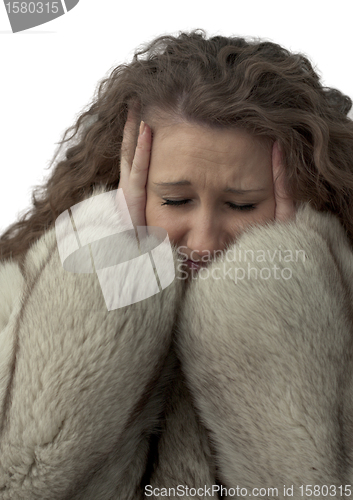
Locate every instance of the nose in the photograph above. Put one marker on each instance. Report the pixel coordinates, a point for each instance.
(207, 237)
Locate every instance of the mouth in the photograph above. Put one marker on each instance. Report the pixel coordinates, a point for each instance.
(193, 265)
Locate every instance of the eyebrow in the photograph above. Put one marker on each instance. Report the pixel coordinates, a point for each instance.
(226, 190)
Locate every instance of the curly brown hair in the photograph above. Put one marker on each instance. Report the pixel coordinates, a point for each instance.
(219, 81)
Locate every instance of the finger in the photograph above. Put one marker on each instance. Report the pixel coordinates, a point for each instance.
(285, 206)
(141, 161)
(135, 193)
(129, 138)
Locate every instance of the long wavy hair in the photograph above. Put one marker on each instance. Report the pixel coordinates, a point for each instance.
(252, 84)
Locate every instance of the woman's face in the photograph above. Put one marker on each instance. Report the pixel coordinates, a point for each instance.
(223, 179)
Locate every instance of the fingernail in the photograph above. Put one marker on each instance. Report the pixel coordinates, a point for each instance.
(142, 127)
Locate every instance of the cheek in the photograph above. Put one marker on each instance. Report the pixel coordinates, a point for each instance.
(154, 210)
(267, 210)
(265, 213)
(157, 215)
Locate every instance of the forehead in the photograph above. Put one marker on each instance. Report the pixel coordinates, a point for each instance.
(196, 148)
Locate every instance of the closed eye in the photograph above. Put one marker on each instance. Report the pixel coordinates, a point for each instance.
(233, 206)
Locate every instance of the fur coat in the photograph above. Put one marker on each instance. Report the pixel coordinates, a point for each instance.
(236, 385)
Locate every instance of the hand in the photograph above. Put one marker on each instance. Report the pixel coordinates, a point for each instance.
(134, 165)
(285, 206)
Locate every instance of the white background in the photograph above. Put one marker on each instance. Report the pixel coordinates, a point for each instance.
(49, 73)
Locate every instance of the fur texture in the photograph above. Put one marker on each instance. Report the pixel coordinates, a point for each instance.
(245, 383)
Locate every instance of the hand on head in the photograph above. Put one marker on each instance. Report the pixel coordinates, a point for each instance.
(134, 165)
(285, 206)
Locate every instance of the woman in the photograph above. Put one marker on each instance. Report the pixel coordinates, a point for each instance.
(233, 382)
